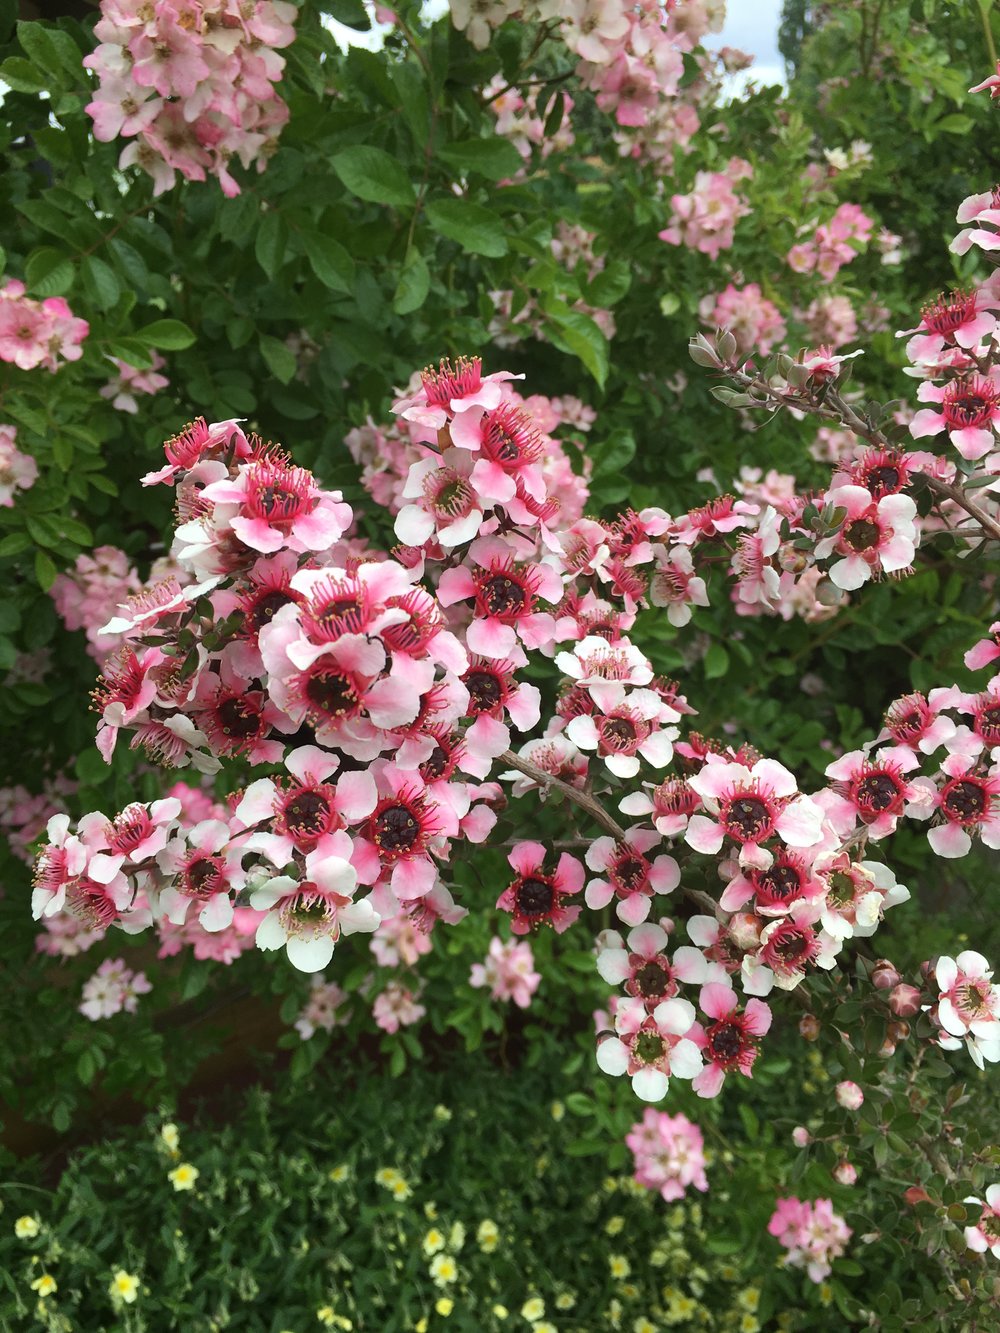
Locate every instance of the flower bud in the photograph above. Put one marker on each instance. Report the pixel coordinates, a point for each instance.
(809, 1027)
(885, 976)
(887, 1049)
(827, 593)
(904, 1000)
(897, 1032)
(916, 1194)
(849, 1095)
(744, 930)
(801, 1136)
(845, 1173)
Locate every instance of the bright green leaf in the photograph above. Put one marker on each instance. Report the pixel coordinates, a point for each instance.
(169, 334)
(371, 174)
(413, 286)
(476, 229)
(45, 571)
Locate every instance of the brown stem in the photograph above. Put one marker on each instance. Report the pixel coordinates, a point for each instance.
(598, 813)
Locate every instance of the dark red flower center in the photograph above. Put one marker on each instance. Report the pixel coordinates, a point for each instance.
(396, 830)
(862, 534)
(204, 876)
(239, 718)
(652, 980)
(948, 313)
(969, 403)
(725, 1042)
(307, 813)
(485, 690)
(534, 895)
(748, 819)
(877, 792)
(780, 882)
(965, 800)
(503, 597)
(989, 724)
(332, 694)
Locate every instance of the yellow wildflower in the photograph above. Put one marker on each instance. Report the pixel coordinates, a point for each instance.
(433, 1241)
(124, 1286)
(749, 1324)
(558, 1110)
(400, 1189)
(326, 1316)
(183, 1177)
(500, 1312)
(620, 1266)
(340, 1173)
(456, 1237)
(749, 1299)
(170, 1137)
(488, 1236)
(444, 1305)
(533, 1309)
(443, 1269)
(565, 1300)
(643, 1325)
(44, 1285)
(26, 1228)
(614, 1225)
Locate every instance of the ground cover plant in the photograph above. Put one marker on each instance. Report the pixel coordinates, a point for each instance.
(561, 621)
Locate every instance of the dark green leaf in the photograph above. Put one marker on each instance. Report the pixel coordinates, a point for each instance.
(476, 229)
(169, 334)
(493, 158)
(371, 174)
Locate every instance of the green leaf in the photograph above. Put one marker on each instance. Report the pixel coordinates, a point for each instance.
(48, 272)
(36, 43)
(329, 261)
(953, 124)
(476, 229)
(100, 282)
(610, 285)
(493, 157)
(280, 361)
(413, 286)
(45, 571)
(576, 333)
(169, 334)
(270, 242)
(371, 174)
(349, 12)
(21, 75)
(716, 661)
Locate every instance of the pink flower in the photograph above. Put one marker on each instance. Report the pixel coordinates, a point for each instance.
(849, 1095)
(969, 412)
(751, 806)
(17, 471)
(651, 1047)
(812, 1233)
(731, 1042)
(876, 537)
(631, 877)
(536, 897)
(508, 971)
(753, 320)
(396, 1007)
(669, 1154)
(963, 318)
(968, 1006)
(648, 972)
(983, 1236)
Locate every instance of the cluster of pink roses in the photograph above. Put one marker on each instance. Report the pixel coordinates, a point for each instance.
(130, 382)
(87, 595)
(705, 219)
(669, 1154)
(113, 989)
(812, 1234)
(833, 244)
(38, 333)
(192, 84)
(509, 972)
(18, 472)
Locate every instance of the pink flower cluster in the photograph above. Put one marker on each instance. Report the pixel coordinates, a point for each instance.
(38, 333)
(24, 814)
(834, 243)
(18, 472)
(113, 989)
(705, 220)
(191, 82)
(509, 972)
(322, 1012)
(130, 382)
(754, 320)
(669, 1154)
(812, 1233)
(87, 595)
(968, 1006)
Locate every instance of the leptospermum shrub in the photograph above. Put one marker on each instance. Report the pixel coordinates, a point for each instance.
(450, 710)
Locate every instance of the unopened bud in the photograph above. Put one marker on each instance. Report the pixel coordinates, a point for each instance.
(702, 353)
(897, 1031)
(887, 1049)
(885, 976)
(904, 1000)
(845, 1173)
(827, 593)
(744, 931)
(809, 1027)
(849, 1095)
(791, 560)
(801, 1136)
(727, 345)
(916, 1194)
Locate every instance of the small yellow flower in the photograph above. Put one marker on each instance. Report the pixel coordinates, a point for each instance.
(387, 1176)
(643, 1325)
(565, 1300)
(545, 1327)
(456, 1237)
(326, 1316)
(400, 1189)
(488, 1236)
(420, 1326)
(500, 1312)
(340, 1173)
(443, 1269)
(433, 1241)
(444, 1305)
(614, 1225)
(183, 1177)
(170, 1136)
(26, 1228)
(620, 1266)
(431, 1210)
(442, 1113)
(825, 1294)
(749, 1299)
(749, 1324)
(533, 1309)
(558, 1110)
(124, 1286)
(44, 1285)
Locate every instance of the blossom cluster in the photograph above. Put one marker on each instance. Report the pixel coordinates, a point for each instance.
(669, 1154)
(113, 989)
(833, 244)
(18, 472)
(191, 84)
(38, 333)
(131, 382)
(389, 687)
(812, 1234)
(705, 220)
